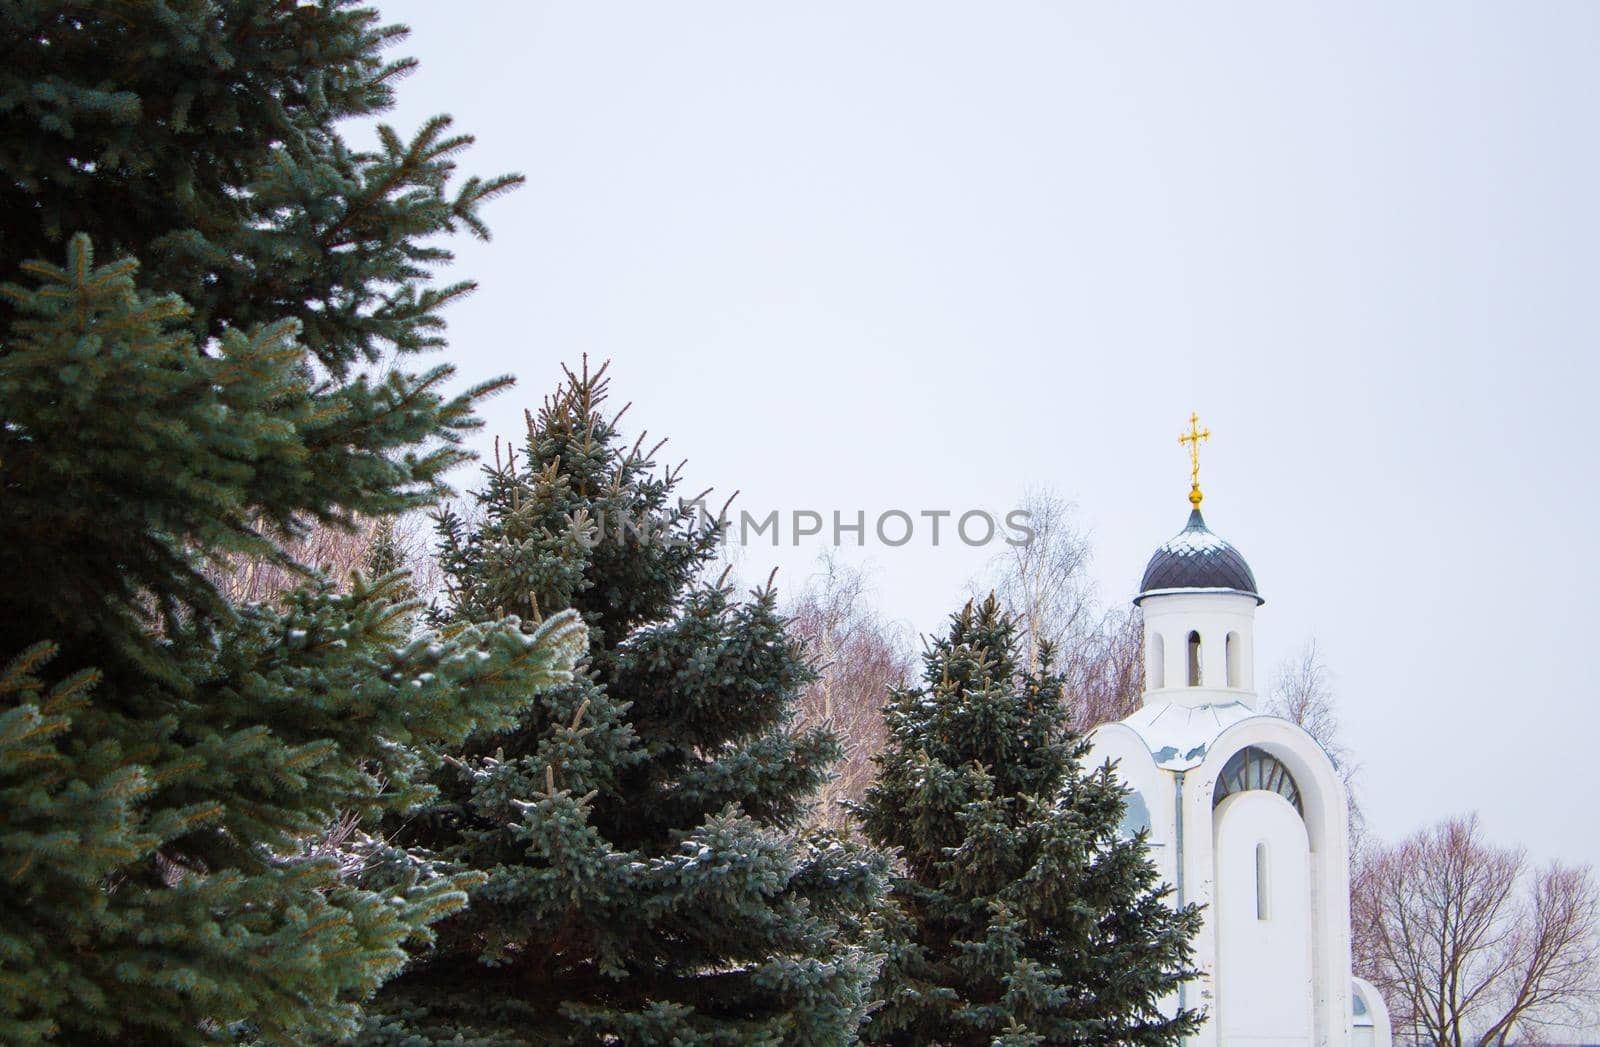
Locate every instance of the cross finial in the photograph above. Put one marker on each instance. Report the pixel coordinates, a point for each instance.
(1193, 438)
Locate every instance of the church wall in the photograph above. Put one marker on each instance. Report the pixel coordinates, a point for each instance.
(1263, 922)
(1154, 788)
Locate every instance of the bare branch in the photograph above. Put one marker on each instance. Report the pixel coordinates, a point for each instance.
(858, 657)
(1302, 693)
(1466, 947)
(1045, 587)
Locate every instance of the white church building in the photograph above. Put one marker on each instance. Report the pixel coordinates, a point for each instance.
(1246, 813)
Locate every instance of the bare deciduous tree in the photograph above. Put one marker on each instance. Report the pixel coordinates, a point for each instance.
(1044, 583)
(858, 657)
(334, 551)
(1469, 945)
(1045, 586)
(1105, 678)
(1302, 693)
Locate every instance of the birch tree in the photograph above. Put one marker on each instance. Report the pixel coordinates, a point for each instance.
(1045, 586)
(858, 657)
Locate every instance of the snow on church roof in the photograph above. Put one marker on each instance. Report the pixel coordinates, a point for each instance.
(1179, 735)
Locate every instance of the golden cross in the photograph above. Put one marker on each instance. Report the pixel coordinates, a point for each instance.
(1193, 438)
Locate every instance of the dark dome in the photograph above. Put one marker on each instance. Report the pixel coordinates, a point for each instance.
(1197, 559)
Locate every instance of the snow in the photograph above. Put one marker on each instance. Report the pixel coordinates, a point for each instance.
(1194, 543)
(1179, 735)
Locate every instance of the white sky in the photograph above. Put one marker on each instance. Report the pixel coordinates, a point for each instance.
(924, 256)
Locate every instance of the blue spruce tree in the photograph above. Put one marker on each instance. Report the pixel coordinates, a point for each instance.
(1022, 915)
(170, 764)
(647, 878)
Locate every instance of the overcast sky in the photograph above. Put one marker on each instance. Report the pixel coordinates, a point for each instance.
(863, 257)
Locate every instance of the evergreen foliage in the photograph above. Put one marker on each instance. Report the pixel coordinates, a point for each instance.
(383, 550)
(171, 766)
(647, 879)
(203, 139)
(1024, 916)
(385, 556)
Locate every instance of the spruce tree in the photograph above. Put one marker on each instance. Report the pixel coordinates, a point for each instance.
(1023, 915)
(385, 555)
(171, 765)
(648, 882)
(383, 549)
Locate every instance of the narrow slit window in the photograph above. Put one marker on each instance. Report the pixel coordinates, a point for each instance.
(1263, 893)
(1194, 659)
(1235, 664)
(1158, 662)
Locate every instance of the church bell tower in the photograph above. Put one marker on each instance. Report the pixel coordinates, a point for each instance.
(1199, 601)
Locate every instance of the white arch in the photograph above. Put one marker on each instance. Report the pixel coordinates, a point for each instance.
(1371, 1029)
(1326, 819)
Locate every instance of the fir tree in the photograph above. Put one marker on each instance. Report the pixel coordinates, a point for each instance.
(385, 556)
(647, 882)
(1024, 915)
(170, 765)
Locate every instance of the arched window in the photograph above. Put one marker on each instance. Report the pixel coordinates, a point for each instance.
(1135, 815)
(1253, 768)
(1235, 661)
(1194, 659)
(1263, 894)
(1158, 662)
